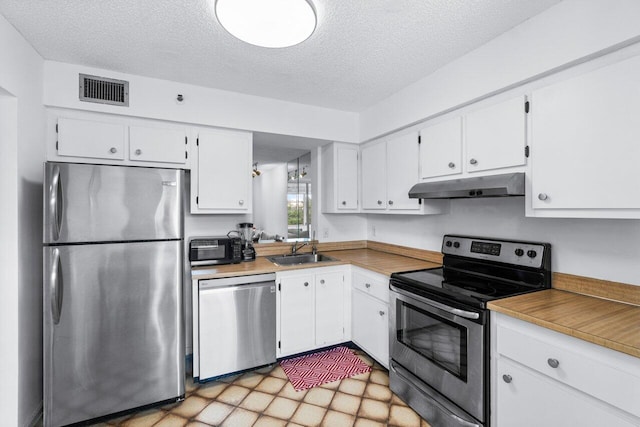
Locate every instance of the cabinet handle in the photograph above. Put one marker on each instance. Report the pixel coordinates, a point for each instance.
(507, 378)
(542, 196)
(381, 313)
(241, 202)
(473, 161)
(379, 202)
(322, 281)
(344, 203)
(452, 165)
(306, 283)
(113, 150)
(367, 285)
(138, 152)
(554, 363)
(390, 202)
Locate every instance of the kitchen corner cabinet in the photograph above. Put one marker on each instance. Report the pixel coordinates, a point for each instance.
(542, 377)
(312, 309)
(487, 138)
(339, 165)
(389, 169)
(221, 172)
(370, 313)
(121, 142)
(584, 145)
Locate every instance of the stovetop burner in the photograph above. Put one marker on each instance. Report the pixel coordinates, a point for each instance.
(476, 271)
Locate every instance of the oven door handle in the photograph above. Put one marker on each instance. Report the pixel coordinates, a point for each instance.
(458, 312)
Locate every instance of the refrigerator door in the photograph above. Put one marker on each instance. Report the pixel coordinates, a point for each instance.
(99, 203)
(113, 329)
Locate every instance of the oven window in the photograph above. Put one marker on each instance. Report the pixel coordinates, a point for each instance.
(441, 341)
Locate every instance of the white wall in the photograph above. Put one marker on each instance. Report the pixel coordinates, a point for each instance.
(156, 99)
(270, 201)
(569, 31)
(22, 154)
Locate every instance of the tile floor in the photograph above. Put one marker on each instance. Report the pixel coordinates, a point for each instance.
(266, 398)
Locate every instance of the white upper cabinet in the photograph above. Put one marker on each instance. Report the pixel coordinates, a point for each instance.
(339, 163)
(389, 169)
(403, 165)
(489, 140)
(441, 149)
(91, 139)
(496, 136)
(585, 145)
(374, 176)
(157, 144)
(221, 172)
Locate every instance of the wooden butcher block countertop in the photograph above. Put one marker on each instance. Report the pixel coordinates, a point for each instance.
(614, 324)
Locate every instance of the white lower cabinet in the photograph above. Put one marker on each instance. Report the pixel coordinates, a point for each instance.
(312, 309)
(544, 378)
(370, 313)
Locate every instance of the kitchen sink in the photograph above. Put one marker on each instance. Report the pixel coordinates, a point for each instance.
(283, 260)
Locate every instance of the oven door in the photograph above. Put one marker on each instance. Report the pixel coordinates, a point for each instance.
(442, 346)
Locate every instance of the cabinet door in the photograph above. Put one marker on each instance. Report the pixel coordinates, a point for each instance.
(297, 314)
(370, 326)
(441, 149)
(531, 399)
(224, 171)
(403, 162)
(162, 145)
(374, 176)
(584, 145)
(86, 138)
(329, 308)
(347, 178)
(495, 136)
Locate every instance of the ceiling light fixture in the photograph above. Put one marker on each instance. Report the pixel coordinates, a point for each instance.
(267, 23)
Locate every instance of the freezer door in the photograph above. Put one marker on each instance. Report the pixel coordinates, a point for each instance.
(113, 328)
(99, 203)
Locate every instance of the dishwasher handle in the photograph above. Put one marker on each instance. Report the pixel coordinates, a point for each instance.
(237, 281)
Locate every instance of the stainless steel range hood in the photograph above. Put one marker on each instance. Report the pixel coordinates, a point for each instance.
(510, 184)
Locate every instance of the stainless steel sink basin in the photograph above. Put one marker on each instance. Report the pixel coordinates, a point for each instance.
(283, 260)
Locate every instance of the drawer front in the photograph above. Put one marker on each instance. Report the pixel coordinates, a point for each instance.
(587, 367)
(376, 285)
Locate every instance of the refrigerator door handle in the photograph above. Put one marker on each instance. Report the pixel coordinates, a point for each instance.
(55, 202)
(56, 287)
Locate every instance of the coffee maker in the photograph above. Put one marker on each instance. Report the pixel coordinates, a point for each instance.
(245, 229)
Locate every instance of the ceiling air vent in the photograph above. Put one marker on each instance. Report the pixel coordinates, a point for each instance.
(104, 90)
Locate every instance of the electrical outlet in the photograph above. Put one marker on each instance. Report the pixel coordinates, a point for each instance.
(325, 233)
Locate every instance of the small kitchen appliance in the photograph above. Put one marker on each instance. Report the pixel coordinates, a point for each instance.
(215, 250)
(438, 324)
(246, 234)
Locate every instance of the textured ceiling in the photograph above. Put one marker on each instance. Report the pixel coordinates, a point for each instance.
(362, 50)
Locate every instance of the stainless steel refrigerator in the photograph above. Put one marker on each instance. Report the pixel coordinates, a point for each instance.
(113, 262)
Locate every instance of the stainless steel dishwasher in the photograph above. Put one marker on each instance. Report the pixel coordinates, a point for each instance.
(237, 324)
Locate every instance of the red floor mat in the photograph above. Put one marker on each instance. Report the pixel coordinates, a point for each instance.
(323, 367)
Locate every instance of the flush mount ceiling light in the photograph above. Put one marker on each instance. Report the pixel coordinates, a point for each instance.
(267, 23)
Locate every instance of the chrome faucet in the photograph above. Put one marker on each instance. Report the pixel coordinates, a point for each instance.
(295, 247)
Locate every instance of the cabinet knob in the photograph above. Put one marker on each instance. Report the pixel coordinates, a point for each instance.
(322, 281)
(507, 378)
(390, 202)
(138, 152)
(379, 202)
(554, 363)
(452, 165)
(344, 203)
(473, 161)
(306, 283)
(542, 196)
(367, 285)
(113, 150)
(381, 313)
(241, 202)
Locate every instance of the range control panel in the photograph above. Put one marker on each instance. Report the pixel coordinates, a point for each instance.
(527, 254)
